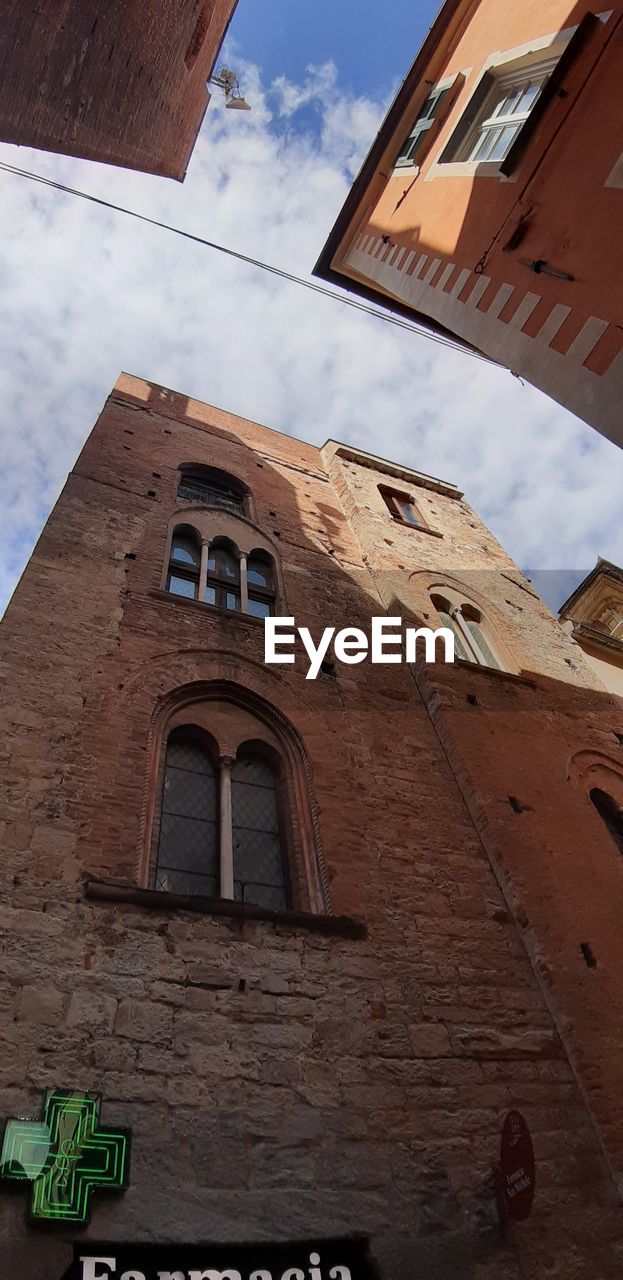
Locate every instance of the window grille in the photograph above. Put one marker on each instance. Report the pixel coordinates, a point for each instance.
(258, 862)
(187, 860)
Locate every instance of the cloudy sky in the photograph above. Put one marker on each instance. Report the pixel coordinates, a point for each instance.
(88, 292)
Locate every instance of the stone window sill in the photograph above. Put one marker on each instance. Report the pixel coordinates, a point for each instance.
(156, 900)
(495, 673)
(417, 528)
(206, 609)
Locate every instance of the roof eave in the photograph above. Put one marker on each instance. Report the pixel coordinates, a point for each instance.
(324, 268)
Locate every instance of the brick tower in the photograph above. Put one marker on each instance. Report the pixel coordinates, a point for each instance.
(119, 81)
(310, 941)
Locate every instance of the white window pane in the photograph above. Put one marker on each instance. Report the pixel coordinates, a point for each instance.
(503, 142)
(528, 97)
(485, 144)
(501, 107)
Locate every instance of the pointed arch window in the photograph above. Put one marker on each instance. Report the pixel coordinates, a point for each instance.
(258, 862)
(223, 576)
(222, 831)
(261, 588)
(443, 609)
(184, 564)
(187, 860)
(610, 813)
(471, 642)
(215, 572)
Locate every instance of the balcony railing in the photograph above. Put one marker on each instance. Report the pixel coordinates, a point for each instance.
(210, 497)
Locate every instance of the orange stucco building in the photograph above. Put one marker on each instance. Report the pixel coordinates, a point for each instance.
(490, 203)
(120, 82)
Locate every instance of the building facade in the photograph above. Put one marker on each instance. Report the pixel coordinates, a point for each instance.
(488, 205)
(122, 82)
(593, 615)
(308, 941)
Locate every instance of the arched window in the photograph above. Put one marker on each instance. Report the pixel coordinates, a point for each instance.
(466, 622)
(223, 576)
(213, 488)
(443, 609)
(187, 860)
(221, 833)
(215, 571)
(260, 585)
(610, 814)
(184, 564)
(480, 645)
(258, 861)
(234, 815)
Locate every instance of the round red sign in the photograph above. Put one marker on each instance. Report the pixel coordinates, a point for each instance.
(517, 1169)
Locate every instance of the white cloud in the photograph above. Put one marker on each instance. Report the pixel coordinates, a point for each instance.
(87, 292)
(319, 86)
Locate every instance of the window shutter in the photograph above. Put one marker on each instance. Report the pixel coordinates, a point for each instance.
(431, 130)
(585, 31)
(467, 119)
(440, 117)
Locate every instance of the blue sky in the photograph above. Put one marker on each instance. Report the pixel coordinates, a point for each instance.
(88, 293)
(372, 46)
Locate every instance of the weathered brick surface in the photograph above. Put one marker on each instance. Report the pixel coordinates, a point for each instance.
(112, 81)
(279, 1083)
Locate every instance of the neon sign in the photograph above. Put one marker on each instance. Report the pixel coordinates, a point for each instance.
(65, 1156)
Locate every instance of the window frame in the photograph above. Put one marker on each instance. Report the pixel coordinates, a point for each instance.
(497, 80)
(395, 500)
(260, 752)
(405, 158)
(459, 615)
(263, 595)
(187, 734)
(222, 769)
(221, 583)
(212, 547)
(426, 128)
(180, 568)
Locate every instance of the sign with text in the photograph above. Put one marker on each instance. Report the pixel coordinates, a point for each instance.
(347, 1259)
(517, 1169)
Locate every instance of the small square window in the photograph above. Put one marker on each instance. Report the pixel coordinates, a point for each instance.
(402, 507)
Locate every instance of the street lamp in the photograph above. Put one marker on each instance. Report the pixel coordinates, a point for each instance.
(228, 81)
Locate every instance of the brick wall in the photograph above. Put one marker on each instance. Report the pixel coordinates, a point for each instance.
(280, 1083)
(110, 82)
(542, 736)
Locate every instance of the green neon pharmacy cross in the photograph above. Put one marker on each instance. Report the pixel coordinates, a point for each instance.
(65, 1156)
